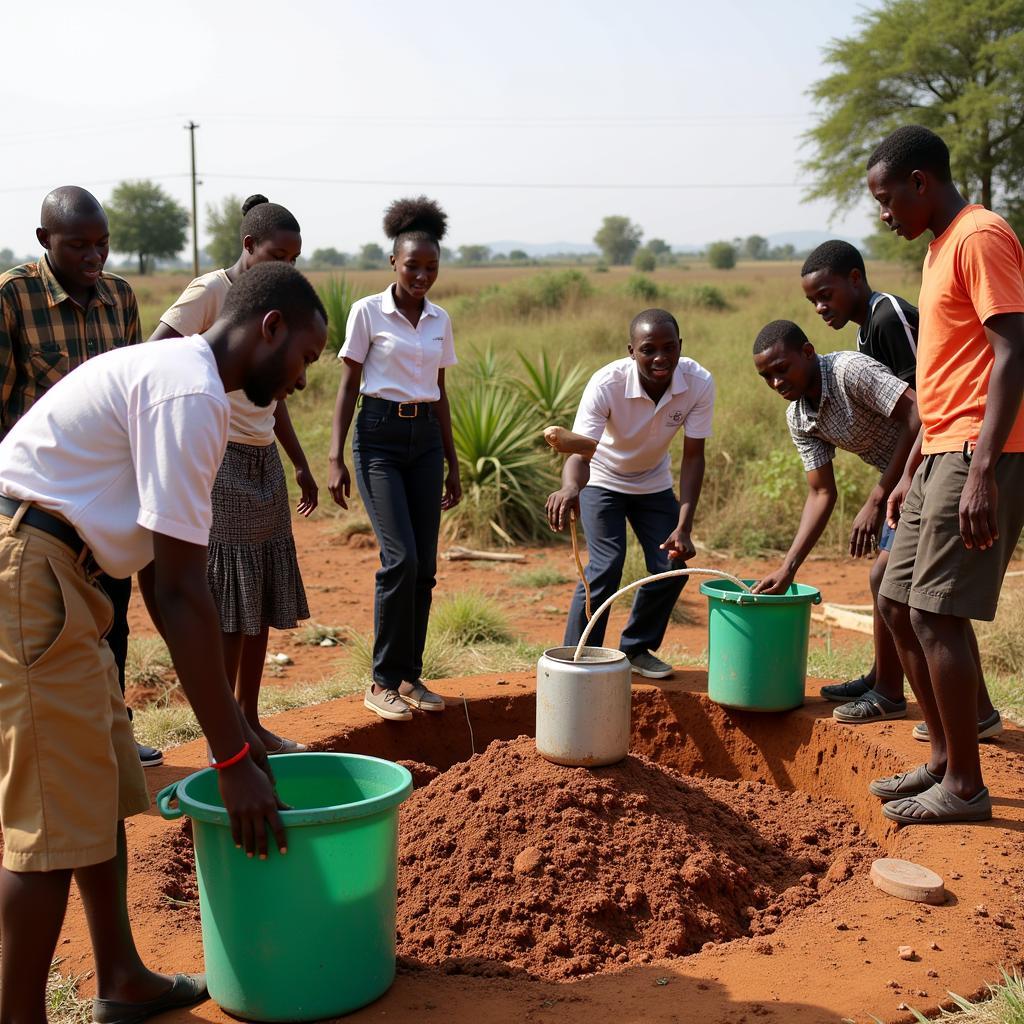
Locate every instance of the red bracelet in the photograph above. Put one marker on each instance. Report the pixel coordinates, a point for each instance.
(231, 760)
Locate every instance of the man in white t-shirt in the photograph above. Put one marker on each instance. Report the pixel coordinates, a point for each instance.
(633, 408)
(112, 470)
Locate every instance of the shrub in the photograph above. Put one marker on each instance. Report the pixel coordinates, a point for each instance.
(721, 255)
(552, 391)
(337, 294)
(645, 261)
(506, 477)
(705, 296)
(641, 288)
(537, 579)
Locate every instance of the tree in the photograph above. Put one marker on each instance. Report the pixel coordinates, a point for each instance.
(518, 256)
(722, 255)
(755, 247)
(661, 249)
(618, 238)
(146, 221)
(471, 254)
(782, 252)
(330, 256)
(955, 66)
(371, 256)
(223, 222)
(6, 259)
(645, 261)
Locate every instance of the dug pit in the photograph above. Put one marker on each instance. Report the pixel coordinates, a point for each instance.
(719, 874)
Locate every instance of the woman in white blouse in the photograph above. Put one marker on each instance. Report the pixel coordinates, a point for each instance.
(397, 345)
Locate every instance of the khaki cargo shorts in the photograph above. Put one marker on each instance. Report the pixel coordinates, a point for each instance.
(69, 769)
(929, 568)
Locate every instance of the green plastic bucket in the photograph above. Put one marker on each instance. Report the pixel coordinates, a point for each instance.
(757, 645)
(310, 934)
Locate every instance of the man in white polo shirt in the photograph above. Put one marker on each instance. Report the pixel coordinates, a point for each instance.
(111, 470)
(633, 408)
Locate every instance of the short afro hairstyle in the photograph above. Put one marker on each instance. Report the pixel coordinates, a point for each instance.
(836, 257)
(784, 331)
(912, 148)
(415, 220)
(269, 286)
(261, 218)
(654, 317)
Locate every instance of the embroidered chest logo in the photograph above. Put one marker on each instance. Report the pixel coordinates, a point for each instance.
(674, 418)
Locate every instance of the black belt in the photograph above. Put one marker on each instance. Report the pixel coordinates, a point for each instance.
(40, 519)
(403, 410)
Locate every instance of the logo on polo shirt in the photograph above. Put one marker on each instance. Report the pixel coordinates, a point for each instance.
(674, 418)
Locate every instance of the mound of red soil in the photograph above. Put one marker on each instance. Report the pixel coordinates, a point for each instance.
(510, 864)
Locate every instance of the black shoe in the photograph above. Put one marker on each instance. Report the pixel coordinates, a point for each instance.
(149, 756)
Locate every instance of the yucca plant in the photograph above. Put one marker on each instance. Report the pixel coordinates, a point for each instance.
(337, 294)
(505, 476)
(551, 390)
(487, 367)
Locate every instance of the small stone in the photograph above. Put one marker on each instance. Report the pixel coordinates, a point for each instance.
(921, 994)
(981, 910)
(902, 1006)
(862, 938)
(906, 953)
(842, 926)
(893, 984)
(933, 974)
(527, 861)
(955, 875)
(935, 946)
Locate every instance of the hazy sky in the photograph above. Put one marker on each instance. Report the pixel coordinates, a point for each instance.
(334, 108)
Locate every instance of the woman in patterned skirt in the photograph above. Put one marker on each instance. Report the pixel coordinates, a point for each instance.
(252, 568)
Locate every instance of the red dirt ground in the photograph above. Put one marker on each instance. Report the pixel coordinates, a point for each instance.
(832, 960)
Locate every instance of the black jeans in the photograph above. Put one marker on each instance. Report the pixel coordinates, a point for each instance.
(120, 593)
(399, 467)
(604, 515)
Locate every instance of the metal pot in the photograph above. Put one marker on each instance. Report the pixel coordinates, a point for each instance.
(583, 707)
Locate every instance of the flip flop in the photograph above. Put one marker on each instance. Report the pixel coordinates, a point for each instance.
(942, 807)
(903, 784)
(843, 692)
(185, 990)
(987, 728)
(872, 707)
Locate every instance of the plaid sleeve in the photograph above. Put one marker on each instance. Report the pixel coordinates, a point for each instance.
(8, 368)
(813, 451)
(132, 323)
(870, 384)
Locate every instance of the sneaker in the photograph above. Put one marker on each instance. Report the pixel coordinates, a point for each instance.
(987, 728)
(647, 665)
(149, 756)
(387, 704)
(416, 695)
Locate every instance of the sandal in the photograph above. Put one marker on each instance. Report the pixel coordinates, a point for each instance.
(185, 990)
(872, 707)
(941, 807)
(850, 690)
(987, 728)
(904, 784)
(287, 747)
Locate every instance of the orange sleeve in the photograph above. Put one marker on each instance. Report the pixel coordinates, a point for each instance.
(991, 265)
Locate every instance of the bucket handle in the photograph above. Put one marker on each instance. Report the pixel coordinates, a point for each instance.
(744, 598)
(639, 583)
(163, 802)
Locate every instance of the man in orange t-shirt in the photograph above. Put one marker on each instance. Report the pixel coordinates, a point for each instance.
(960, 504)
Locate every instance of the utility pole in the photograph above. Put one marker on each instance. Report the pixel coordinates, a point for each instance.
(191, 129)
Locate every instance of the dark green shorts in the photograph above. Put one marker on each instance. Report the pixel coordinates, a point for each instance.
(929, 568)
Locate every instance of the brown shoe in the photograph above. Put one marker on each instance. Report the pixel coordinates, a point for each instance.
(388, 704)
(416, 695)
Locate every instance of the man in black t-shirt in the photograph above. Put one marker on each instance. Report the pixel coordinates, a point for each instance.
(835, 281)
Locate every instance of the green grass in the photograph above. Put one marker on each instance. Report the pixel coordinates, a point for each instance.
(537, 579)
(469, 618)
(148, 663)
(63, 1004)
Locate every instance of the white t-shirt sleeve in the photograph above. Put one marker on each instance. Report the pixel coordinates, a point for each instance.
(593, 412)
(195, 311)
(357, 334)
(448, 346)
(177, 447)
(698, 420)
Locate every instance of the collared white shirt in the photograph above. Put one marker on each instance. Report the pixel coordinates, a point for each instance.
(633, 432)
(400, 362)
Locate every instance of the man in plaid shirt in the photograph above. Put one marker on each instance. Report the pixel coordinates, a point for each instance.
(55, 314)
(845, 400)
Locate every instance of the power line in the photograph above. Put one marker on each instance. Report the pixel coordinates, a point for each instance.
(95, 184)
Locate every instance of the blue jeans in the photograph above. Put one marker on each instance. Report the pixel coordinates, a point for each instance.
(604, 515)
(399, 467)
